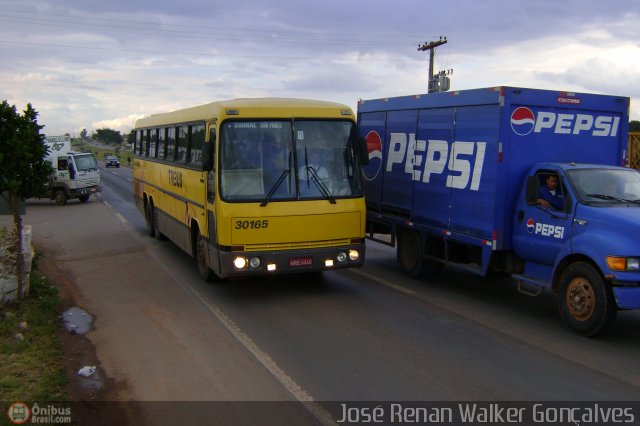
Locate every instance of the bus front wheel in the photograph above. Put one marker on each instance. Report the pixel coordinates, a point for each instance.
(150, 219)
(202, 259)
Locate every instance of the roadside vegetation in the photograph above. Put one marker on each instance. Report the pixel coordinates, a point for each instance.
(101, 152)
(31, 354)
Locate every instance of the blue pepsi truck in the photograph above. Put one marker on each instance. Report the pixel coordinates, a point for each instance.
(459, 179)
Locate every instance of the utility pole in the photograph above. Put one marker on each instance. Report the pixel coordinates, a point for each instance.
(431, 47)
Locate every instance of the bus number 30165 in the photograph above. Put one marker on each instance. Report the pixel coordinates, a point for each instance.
(252, 224)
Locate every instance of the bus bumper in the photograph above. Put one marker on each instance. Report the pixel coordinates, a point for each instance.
(242, 264)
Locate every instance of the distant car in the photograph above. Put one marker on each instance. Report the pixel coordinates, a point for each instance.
(111, 161)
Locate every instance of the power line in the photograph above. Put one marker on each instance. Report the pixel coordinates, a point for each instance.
(215, 30)
(183, 53)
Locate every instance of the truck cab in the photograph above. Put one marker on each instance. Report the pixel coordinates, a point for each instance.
(75, 174)
(586, 249)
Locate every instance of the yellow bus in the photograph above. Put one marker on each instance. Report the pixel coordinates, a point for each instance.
(254, 186)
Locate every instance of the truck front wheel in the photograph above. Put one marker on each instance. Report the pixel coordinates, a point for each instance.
(411, 257)
(585, 301)
(60, 196)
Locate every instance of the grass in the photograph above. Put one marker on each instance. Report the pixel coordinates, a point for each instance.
(31, 368)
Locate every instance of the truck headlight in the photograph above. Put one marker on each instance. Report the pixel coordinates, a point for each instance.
(620, 263)
(633, 263)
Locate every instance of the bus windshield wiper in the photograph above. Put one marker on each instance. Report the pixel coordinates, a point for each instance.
(275, 187)
(611, 198)
(321, 186)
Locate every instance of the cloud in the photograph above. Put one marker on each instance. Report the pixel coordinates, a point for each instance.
(122, 124)
(86, 63)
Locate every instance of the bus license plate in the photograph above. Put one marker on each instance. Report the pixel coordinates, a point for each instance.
(295, 262)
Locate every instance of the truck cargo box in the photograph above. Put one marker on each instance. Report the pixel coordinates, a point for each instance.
(456, 161)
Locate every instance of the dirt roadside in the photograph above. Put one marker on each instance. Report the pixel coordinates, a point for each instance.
(155, 342)
(92, 398)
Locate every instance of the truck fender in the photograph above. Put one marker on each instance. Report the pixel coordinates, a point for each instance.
(583, 248)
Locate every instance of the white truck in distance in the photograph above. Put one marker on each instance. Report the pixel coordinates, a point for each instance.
(75, 174)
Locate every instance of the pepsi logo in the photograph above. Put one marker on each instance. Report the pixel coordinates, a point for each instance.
(531, 225)
(374, 148)
(522, 121)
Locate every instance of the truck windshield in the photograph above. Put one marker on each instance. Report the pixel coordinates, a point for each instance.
(270, 160)
(606, 185)
(85, 162)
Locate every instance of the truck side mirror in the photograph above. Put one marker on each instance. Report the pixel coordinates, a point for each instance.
(532, 189)
(72, 169)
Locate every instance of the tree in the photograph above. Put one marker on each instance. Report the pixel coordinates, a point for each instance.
(108, 136)
(634, 126)
(131, 137)
(83, 134)
(23, 169)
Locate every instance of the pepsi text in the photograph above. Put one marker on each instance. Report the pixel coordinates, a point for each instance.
(424, 158)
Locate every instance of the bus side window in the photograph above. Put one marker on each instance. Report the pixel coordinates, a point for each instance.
(171, 144)
(195, 144)
(182, 136)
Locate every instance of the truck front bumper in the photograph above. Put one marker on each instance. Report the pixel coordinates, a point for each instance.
(85, 191)
(627, 297)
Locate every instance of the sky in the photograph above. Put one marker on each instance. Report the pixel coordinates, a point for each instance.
(89, 64)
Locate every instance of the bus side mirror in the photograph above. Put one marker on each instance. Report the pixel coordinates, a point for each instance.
(208, 151)
(207, 165)
(72, 171)
(364, 152)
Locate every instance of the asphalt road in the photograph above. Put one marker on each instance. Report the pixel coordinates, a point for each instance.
(354, 335)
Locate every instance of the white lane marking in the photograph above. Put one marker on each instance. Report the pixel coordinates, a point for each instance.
(322, 415)
(106, 203)
(381, 281)
(122, 219)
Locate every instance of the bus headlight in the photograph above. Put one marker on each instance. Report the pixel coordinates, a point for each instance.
(354, 255)
(240, 262)
(342, 257)
(254, 262)
(619, 263)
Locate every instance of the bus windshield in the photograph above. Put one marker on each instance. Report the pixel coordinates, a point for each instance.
(277, 160)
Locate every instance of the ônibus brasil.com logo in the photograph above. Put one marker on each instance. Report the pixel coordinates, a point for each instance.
(20, 413)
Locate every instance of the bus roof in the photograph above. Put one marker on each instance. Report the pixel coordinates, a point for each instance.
(250, 108)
